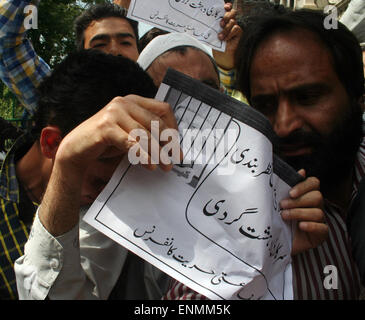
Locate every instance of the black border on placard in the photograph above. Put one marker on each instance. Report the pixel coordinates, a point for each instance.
(237, 110)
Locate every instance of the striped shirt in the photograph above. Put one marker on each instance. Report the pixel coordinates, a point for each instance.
(309, 267)
(20, 67)
(16, 216)
(309, 273)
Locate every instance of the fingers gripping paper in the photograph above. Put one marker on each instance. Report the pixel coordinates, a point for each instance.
(213, 222)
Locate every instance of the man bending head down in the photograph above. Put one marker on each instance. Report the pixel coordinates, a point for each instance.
(76, 90)
(87, 108)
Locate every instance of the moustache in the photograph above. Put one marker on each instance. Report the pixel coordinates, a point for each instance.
(298, 138)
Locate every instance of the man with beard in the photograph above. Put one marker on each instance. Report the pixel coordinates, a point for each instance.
(309, 82)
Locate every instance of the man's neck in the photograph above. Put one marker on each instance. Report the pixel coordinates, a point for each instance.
(31, 172)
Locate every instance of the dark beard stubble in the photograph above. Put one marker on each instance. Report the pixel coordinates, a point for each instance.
(333, 156)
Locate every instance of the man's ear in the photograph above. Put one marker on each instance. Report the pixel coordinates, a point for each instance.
(50, 140)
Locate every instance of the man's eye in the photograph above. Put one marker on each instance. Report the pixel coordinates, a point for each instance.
(267, 107)
(99, 45)
(308, 98)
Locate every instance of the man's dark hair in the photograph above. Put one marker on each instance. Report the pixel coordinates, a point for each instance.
(83, 84)
(341, 44)
(149, 36)
(98, 12)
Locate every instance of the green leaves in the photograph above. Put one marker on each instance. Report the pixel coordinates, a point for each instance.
(52, 41)
(54, 38)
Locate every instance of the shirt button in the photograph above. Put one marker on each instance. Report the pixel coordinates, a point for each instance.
(54, 263)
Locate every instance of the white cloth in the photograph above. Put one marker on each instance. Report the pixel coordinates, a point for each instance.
(354, 18)
(81, 264)
(143, 28)
(163, 43)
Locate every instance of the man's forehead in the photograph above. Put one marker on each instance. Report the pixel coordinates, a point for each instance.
(186, 53)
(193, 60)
(291, 58)
(295, 44)
(109, 25)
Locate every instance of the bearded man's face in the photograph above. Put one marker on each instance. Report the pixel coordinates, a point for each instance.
(293, 83)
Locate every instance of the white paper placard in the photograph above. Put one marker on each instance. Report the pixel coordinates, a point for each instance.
(200, 19)
(213, 225)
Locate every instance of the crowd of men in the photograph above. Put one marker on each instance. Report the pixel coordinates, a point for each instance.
(306, 79)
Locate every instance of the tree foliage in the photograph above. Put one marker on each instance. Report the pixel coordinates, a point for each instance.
(52, 41)
(54, 38)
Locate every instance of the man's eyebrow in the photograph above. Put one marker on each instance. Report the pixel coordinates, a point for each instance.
(105, 36)
(316, 87)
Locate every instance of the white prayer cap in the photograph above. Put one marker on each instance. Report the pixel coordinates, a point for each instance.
(163, 43)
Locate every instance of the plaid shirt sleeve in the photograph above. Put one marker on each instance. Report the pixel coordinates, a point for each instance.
(20, 67)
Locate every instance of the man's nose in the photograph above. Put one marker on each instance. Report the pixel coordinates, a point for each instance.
(286, 119)
(114, 48)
